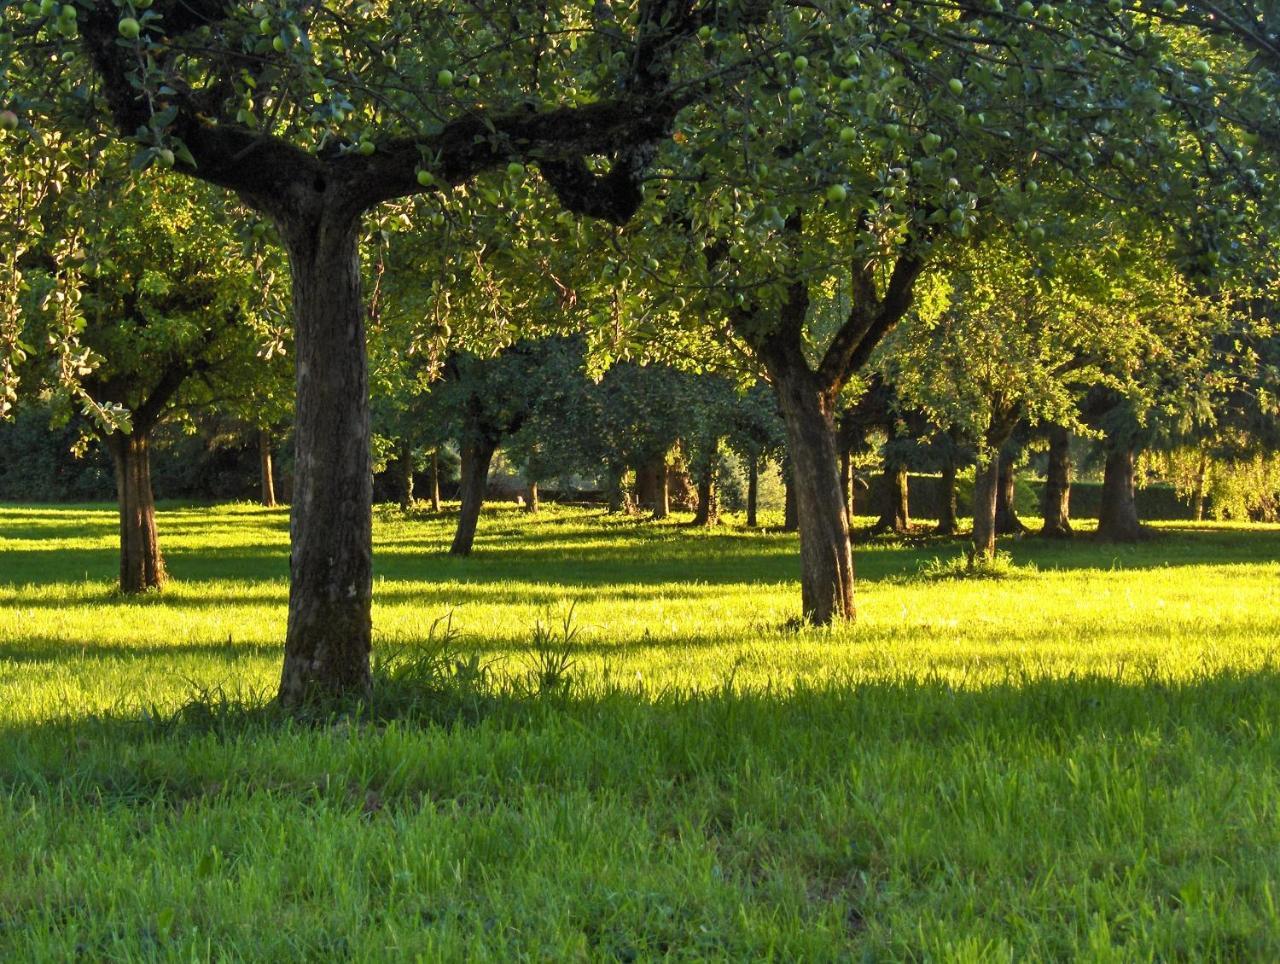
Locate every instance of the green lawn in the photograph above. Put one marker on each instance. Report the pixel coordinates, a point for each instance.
(1080, 760)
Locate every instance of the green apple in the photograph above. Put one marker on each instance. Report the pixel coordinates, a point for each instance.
(801, 62)
(426, 178)
(515, 169)
(956, 85)
(365, 147)
(837, 193)
(848, 135)
(165, 157)
(1026, 8)
(704, 32)
(445, 78)
(129, 28)
(795, 95)
(473, 81)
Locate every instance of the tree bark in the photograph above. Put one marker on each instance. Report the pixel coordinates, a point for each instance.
(708, 510)
(476, 459)
(435, 480)
(652, 488)
(948, 521)
(1057, 486)
(846, 480)
(986, 488)
(753, 491)
(404, 459)
(267, 472)
(531, 497)
(826, 556)
(141, 563)
(1007, 521)
(331, 520)
(895, 514)
(1118, 514)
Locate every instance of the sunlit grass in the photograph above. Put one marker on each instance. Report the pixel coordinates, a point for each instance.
(1080, 760)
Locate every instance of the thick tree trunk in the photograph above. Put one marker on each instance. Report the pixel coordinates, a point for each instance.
(790, 515)
(708, 510)
(404, 462)
(331, 520)
(1118, 514)
(1057, 486)
(435, 480)
(662, 504)
(753, 491)
(652, 488)
(266, 470)
(531, 497)
(476, 459)
(1007, 521)
(986, 488)
(826, 556)
(948, 522)
(617, 497)
(141, 564)
(895, 514)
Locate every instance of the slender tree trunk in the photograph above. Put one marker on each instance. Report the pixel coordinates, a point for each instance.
(531, 497)
(331, 519)
(1202, 479)
(141, 563)
(826, 556)
(435, 480)
(753, 491)
(986, 488)
(790, 515)
(895, 515)
(1007, 521)
(708, 510)
(662, 504)
(846, 480)
(948, 523)
(476, 459)
(266, 472)
(1118, 515)
(404, 458)
(1057, 486)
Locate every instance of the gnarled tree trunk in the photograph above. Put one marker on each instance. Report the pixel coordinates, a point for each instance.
(266, 471)
(1118, 514)
(948, 517)
(1007, 521)
(477, 456)
(826, 557)
(1057, 486)
(141, 564)
(753, 491)
(331, 520)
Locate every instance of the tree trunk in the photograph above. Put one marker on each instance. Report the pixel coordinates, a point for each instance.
(404, 457)
(790, 515)
(986, 489)
(708, 510)
(331, 519)
(531, 497)
(141, 564)
(948, 523)
(652, 489)
(846, 478)
(267, 473)
(753, 491)
(435, 480)
(1057, 485)
(826, 556)
(1007, 521)
(1202, 479)
(1118, 514)
(476, 459)
(616, 494)
(662, 504)
(895, 514)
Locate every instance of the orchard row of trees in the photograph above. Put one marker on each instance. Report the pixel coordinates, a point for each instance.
(1054, 214)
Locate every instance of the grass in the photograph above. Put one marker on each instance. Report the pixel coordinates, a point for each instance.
(1079, 762)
